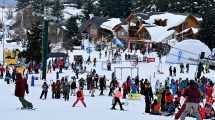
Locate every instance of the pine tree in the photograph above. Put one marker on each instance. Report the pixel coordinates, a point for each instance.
(113, 8)
(73, 34)
(207, 31)
(88, 9)
(22, 4)
(38, 5)
(57, 10)
(142, 5)
(34, 43)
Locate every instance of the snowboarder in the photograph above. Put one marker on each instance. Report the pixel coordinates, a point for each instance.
(80, 96)
(21, 88)
(117, 97)
(58, 88)
(94, 62)
(45, 88)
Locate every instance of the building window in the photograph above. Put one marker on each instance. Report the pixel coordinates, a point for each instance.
(93, 31)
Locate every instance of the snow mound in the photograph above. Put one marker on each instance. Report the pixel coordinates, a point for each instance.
(186, 49)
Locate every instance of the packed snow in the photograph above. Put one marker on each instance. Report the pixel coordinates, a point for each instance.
(98, 106)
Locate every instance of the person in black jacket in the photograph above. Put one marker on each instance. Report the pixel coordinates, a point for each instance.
(148, 97)
(163, 101)
(73, 87)
(101, 85)
(170, 71)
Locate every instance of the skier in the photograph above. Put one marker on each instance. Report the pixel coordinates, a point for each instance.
(182, 68)
(8, 77)
(117, 97)
(66, 91)
(53, 90)
(100, 54)
(73, 87)
(2, 71)
(193, 94)
(80, 96)
(170, 71)
(21, 88)
(174, 71)
(45, 88)
(148, 97)
(187, 66)
(49, 68)
(102, 85)
(58, 88)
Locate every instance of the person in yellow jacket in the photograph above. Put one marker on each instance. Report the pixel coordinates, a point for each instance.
(117, 97)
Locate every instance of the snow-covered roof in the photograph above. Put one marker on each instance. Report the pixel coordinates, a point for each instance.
(172, 19)
(165, 35)
(195, 30)
(111, 23)
(155, 32)
(125, 27)
(71, 11)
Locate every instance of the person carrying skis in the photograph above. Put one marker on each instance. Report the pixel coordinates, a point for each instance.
(80, 97)
(21, 88)
(117, 97)
(45, 88)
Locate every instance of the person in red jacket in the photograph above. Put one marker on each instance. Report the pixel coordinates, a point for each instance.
(21, 88)
(53, 90)
(2, 71)
(209, 90)
(124, 88)
(80, 96)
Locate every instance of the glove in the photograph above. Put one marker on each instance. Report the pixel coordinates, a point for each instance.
(82, 98)
(27, 92)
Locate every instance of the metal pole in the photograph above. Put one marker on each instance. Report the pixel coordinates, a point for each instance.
(45, 47)
(3, 47)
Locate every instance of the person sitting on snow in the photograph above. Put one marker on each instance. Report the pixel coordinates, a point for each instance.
(209, 107)
(155, 108)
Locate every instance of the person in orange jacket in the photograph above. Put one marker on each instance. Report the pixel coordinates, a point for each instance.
(155, 108)
(80, 96)
(117, 97)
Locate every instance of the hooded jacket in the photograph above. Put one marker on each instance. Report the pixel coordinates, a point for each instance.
(21, 86)
(193, 94)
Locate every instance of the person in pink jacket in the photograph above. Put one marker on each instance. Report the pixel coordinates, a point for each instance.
(117, 97)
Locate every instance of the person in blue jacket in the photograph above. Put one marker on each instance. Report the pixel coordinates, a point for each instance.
(174, 89)
(172, 81)
(134, 88)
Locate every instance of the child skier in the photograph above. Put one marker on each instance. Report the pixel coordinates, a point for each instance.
(118, 95)
(80, 96)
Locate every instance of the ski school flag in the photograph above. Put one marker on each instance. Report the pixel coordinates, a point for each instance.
(179, 55)
(118, 42)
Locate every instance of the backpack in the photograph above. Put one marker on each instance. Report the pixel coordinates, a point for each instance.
(79, 94)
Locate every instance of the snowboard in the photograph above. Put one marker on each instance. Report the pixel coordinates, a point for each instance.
(21, 108)
(178, 114)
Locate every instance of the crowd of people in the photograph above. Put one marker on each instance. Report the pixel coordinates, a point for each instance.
(171, 97)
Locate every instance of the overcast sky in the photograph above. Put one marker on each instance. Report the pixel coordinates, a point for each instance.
(8, 3)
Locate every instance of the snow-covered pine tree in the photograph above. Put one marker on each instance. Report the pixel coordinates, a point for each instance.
(57, 10)
(72, 35)
(88, 9)
(34, 42)
(22, 4)
(142, 5)
(113, 8)
(207, 31)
